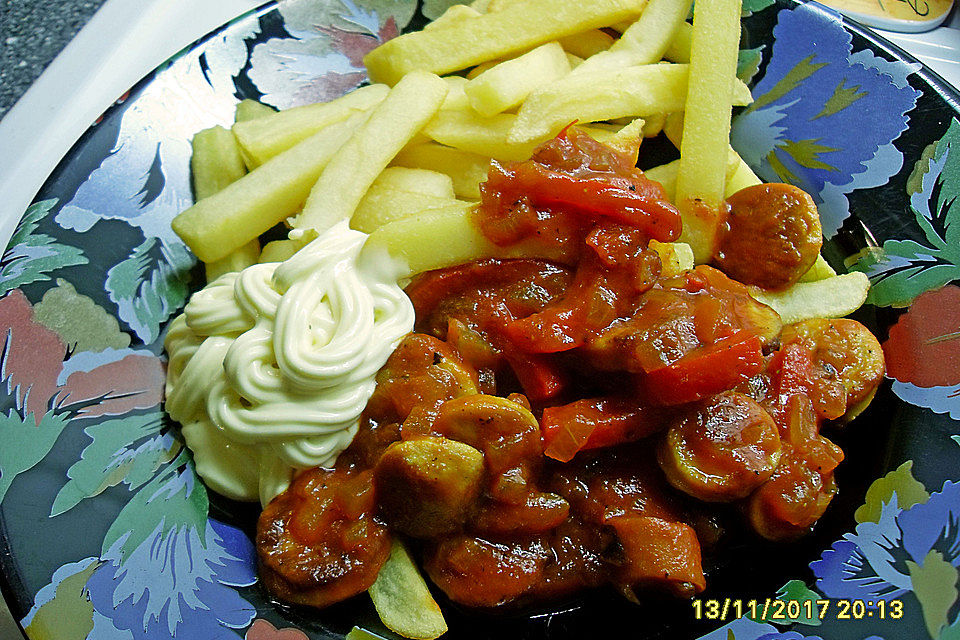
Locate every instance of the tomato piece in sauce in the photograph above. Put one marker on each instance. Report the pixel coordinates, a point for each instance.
(573, 174)
(706, 371)
(594, 423)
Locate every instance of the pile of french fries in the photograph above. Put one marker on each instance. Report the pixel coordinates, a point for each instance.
(403, 158)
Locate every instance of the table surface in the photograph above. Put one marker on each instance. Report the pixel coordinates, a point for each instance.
(32, 33)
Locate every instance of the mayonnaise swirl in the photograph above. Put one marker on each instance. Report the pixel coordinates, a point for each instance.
(270, 368)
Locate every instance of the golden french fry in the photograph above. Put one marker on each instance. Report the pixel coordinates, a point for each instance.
(646, 40)
(408, 106)
(456, 99)
(653, 125)
(381, 206)
(415, 180)
(411, 243)
(403, 600)
(215, 162)
(701, 178)
(507, 84)
(586, 44)
(384, 203)
(453, 15)
(679, 49)
(280, 250)
(216, 226)
(251, 110)
(239, 260)
(675, 257)
(517, 28)
(821, 270)
(604, 95)
(828, 298)
(737, 176)
(469, 131)
(263, 138)
(467, 170)
(743, 176)
(575, 61)
(627, 140)
(480, 68)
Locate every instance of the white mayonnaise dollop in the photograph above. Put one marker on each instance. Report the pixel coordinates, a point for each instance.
(270, 368)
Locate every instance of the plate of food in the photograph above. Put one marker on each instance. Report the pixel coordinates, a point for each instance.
(384, 318)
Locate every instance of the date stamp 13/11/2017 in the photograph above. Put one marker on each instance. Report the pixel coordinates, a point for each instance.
(782, 610)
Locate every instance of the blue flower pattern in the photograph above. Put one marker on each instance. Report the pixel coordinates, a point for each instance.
(839, 136)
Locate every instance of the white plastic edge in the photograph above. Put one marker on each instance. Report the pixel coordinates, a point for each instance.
(122, 43)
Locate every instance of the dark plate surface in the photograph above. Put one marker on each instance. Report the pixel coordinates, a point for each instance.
(106, 532)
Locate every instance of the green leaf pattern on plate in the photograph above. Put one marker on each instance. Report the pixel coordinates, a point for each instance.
(903, 269)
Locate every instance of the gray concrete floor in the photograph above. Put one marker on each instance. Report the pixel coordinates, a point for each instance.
(32, 33)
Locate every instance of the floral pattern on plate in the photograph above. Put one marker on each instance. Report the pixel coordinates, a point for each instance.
(108, 533)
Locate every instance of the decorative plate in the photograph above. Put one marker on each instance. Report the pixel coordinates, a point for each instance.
(107, 534)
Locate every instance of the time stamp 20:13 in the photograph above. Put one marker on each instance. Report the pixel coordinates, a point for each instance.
(771, 610)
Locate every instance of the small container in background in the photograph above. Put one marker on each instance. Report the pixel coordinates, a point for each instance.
(909, 16)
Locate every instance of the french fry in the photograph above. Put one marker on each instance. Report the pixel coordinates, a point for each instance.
(251, 110)
(575, 61)
(518, 27)
(743, 176)
(279, 250)
(646, 40)
(403, 600)
(828, 298)
(456, 98)
(666, 175)
(653, 125)
(467, 170)
(263, 138)
(507, 84)
(417, 180)
(675, 257)
(238, 260)
(216, 163)
(480, 68)
(739, 173)
(587, 44)
(225, 221)
(604, 95)
(411, 243)
(469, 131)
(627, 140)
(821, 270)
(701, 177)
(454, 14)
(679, 49)
(383, 206)
(408, 106)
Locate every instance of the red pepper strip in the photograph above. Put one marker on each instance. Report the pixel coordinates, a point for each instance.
(639, 203)
(550, 331)
(540, 377)
(593, 423)
(706, 371)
